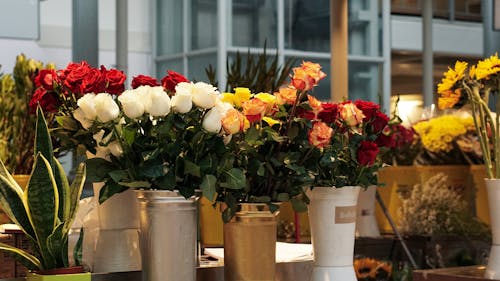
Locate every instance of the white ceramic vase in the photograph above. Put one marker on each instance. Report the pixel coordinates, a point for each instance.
(366, 223)
(332, 217)
(493, 189)
(117, 248)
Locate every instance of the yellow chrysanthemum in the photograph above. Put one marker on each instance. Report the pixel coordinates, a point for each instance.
(452, 76)
(270, 121)
(487, 67)
(438, 133)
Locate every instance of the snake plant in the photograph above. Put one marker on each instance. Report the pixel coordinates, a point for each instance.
(46, 209)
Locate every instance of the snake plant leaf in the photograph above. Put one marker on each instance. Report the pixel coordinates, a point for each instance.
(13, 205)
(43, 142)
(63, 190)
(56, 243)
(4, 172)
(75, 192)
(30, 261)
(43, 203)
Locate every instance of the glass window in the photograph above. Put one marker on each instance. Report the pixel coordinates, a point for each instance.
(163, 66)
(364, 81)
(197, 65)
(254, 23)
(364, 32)
(169, 27)
(307, 25)
(203, 23)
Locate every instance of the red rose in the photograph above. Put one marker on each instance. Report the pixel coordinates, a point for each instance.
(329, 112)
(46, 79)
(172, 79)
(143, 80)
(115, 80)
(93, 82)
(384, 140)
(74, 74)
(369, 108)
(48, 101)
(367, 153)
(304, 113)
(380, 122)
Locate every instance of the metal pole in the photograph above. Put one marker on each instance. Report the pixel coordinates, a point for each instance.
(427, 73)
(395, 229)
(122, 35)
(85, 29)
(339, 50)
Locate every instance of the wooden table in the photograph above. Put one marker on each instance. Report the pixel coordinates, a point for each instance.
(467, 273)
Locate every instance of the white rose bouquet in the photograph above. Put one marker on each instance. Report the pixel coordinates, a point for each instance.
(157, 137)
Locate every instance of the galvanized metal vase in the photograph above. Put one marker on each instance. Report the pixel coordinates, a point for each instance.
(332, 215)
(168, 226)
(250, 244)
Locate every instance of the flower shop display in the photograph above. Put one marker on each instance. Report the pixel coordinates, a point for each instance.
(475, 86)
(45, 210)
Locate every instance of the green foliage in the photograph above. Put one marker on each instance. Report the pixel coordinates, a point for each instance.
(259, 73)
(17, 125)
(46, 209)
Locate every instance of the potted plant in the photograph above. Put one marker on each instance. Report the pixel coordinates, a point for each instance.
(45, 210)
(167, 143)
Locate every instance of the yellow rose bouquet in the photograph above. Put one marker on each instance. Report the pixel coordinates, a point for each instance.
(475, 86)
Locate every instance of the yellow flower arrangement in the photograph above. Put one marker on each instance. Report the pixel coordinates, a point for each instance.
(437, 134)
(475, 87)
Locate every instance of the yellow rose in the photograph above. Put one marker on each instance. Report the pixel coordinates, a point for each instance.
(270, 101)
(229, 98)
(241, 95)
(351, 114)
(270, 121)
(320, 134)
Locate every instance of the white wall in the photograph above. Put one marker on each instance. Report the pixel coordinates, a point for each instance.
(54, 44)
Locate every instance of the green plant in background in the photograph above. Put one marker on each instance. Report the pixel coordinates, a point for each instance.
(17, 125)
(46, 209)
(258, 73)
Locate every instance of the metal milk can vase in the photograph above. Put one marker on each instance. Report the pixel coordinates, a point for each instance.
(250, 244)
(332, 216)
(168, 235)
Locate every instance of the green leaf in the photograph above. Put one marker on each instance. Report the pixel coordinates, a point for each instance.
(43, 142)
(191, 168)
(261, 199)
(98, 169)
(118, 175)
(110, 188)
(43, 203)
(129, 135)
(78, 250)
(151, 169)
(30, 261)
(251, 135)
(67, 123)
(298, 205)
(282, 197)
(208, 186)
(75, 194)
(235, 179)
(63, 190)
(167, 181)
(56, 243)
(136, 184)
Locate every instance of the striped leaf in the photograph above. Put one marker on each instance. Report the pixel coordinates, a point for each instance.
(43, 142)
(63, 190)
(30, 261)
(43, 202)
(75, 194)
(57, 245)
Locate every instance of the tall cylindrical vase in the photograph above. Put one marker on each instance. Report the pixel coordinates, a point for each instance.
(168, 235)
(366, 223)
(493, 189)
(250, 244)
(117, 248)
(332, 217)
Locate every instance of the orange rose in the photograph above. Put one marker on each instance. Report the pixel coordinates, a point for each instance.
(233, 122)
(286, 95)
(254, 109)
(307, 75)
(320, 134)
(315, 104)
(351, 114)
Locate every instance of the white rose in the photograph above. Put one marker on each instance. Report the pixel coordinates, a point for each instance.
(115, 148)
(87, 104)
(159, 102)
(132, 103)
(222, 106)
(182, 103)
(212, 121)
(106, 107)
(142, 94)
(79, 115)
(203, 94)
